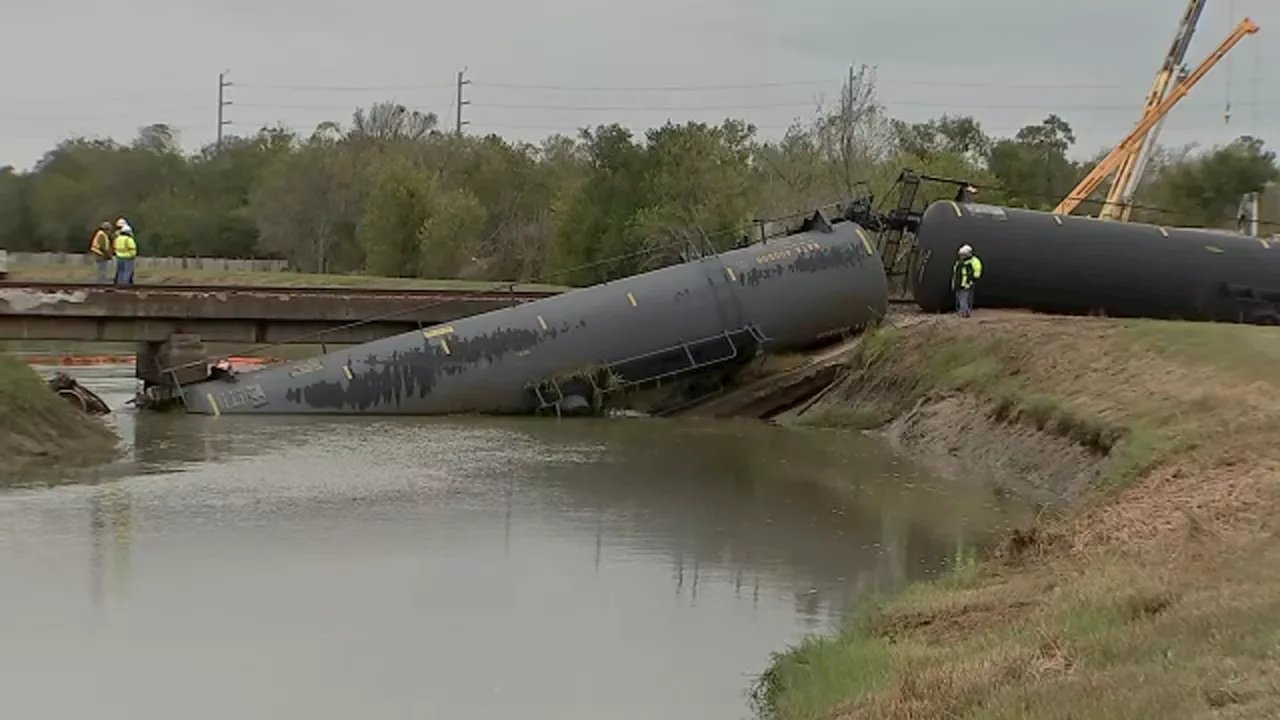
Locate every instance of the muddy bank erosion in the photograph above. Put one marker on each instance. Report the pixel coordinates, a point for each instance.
(928, 386)
(1146, 590)
(41, 432)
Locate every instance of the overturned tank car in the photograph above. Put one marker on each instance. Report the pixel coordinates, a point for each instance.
(1074, 265)
(563, 353)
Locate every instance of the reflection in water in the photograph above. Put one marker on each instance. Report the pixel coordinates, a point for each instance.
(110, 521)
(347, 567)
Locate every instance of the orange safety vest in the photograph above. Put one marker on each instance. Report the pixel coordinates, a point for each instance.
(101, 244)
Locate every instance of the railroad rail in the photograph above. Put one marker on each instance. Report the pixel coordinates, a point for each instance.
(495, 293)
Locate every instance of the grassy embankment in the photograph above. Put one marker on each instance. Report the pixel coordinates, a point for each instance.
(40, 431)
(1154, 593)
(72, 274)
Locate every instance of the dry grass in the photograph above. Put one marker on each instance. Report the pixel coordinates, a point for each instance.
(1156, 597)
(71, 273)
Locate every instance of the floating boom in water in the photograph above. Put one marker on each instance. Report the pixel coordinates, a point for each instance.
(1072, 265)
(560, 353)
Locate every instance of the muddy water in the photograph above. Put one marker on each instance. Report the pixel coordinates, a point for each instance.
(321, 568)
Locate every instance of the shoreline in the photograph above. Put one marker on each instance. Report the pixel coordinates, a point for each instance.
(40, 432)
(1147, 446)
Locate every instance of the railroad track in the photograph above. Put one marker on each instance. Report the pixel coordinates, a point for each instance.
(443, 294)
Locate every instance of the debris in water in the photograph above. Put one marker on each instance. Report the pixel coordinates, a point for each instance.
(71, 389)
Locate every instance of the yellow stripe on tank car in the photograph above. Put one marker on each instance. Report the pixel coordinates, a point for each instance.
(542, 323)
(1263, 241)
(1057, 219)
(213, 404)
(1164, 232)
(956, 207)
(632, 299)
(444, 345)
(729, 271)
(1213, 248)
(865, 242)
(437, 331)
(346, 370)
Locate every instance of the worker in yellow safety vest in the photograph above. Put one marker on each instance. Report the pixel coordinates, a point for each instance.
(964, 275)
(100, 249)
(126, 252)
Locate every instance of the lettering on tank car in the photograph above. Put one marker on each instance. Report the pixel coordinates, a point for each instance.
(251, 395)
(824, 259)
(775, 256)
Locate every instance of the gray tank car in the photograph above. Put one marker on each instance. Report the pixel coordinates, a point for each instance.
(787, 293)
(1075, 265)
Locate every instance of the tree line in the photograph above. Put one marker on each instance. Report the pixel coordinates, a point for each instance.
(391, 193)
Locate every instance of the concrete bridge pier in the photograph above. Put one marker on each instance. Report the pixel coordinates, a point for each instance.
(164, 366)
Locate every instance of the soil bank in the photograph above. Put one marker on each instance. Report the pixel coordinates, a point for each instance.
(41, 432)
(1152, 587)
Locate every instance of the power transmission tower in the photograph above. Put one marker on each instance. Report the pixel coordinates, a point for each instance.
(459, 122)
(223, 84)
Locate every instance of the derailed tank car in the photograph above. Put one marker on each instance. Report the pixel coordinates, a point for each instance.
(1071, 265)
(789, 292)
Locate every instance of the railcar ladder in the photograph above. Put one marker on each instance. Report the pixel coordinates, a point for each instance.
(654, 367)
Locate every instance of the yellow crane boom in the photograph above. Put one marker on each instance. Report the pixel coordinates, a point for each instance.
(1134, 140)
(1133, 164)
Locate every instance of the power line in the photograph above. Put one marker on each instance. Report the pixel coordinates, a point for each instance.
(652, 88)
(124, 114)
(348, 88)
(648, 108)
(830, 82)
(1059, 107)
(569, 127)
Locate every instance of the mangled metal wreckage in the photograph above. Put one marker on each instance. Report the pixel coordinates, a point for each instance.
(563, 354)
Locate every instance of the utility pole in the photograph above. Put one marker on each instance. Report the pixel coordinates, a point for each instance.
(459, 122)
(223, 84)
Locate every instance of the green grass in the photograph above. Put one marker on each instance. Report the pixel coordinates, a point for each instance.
(1171, 610)
(68, 273)
(1250, 353)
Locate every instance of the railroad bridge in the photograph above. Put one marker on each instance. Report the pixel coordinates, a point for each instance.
(171, 323)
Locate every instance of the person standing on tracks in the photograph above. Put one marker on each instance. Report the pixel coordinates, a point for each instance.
(126, 252)
(100, 249)
(964, 275)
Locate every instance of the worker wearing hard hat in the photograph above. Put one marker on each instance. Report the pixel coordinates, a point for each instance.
(964, 275)
(100, 249)
(126, 252)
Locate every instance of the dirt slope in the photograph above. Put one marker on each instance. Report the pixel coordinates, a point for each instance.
(1151, 592)
(39, 431)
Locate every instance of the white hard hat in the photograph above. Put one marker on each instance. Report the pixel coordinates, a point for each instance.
(121, 222)
(966, 250)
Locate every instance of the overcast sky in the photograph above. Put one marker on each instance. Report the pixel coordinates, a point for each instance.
(105, 67)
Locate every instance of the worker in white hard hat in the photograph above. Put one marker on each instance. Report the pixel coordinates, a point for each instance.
(125, 249)
(964, 275)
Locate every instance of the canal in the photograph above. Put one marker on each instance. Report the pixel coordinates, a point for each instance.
(320, 568)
